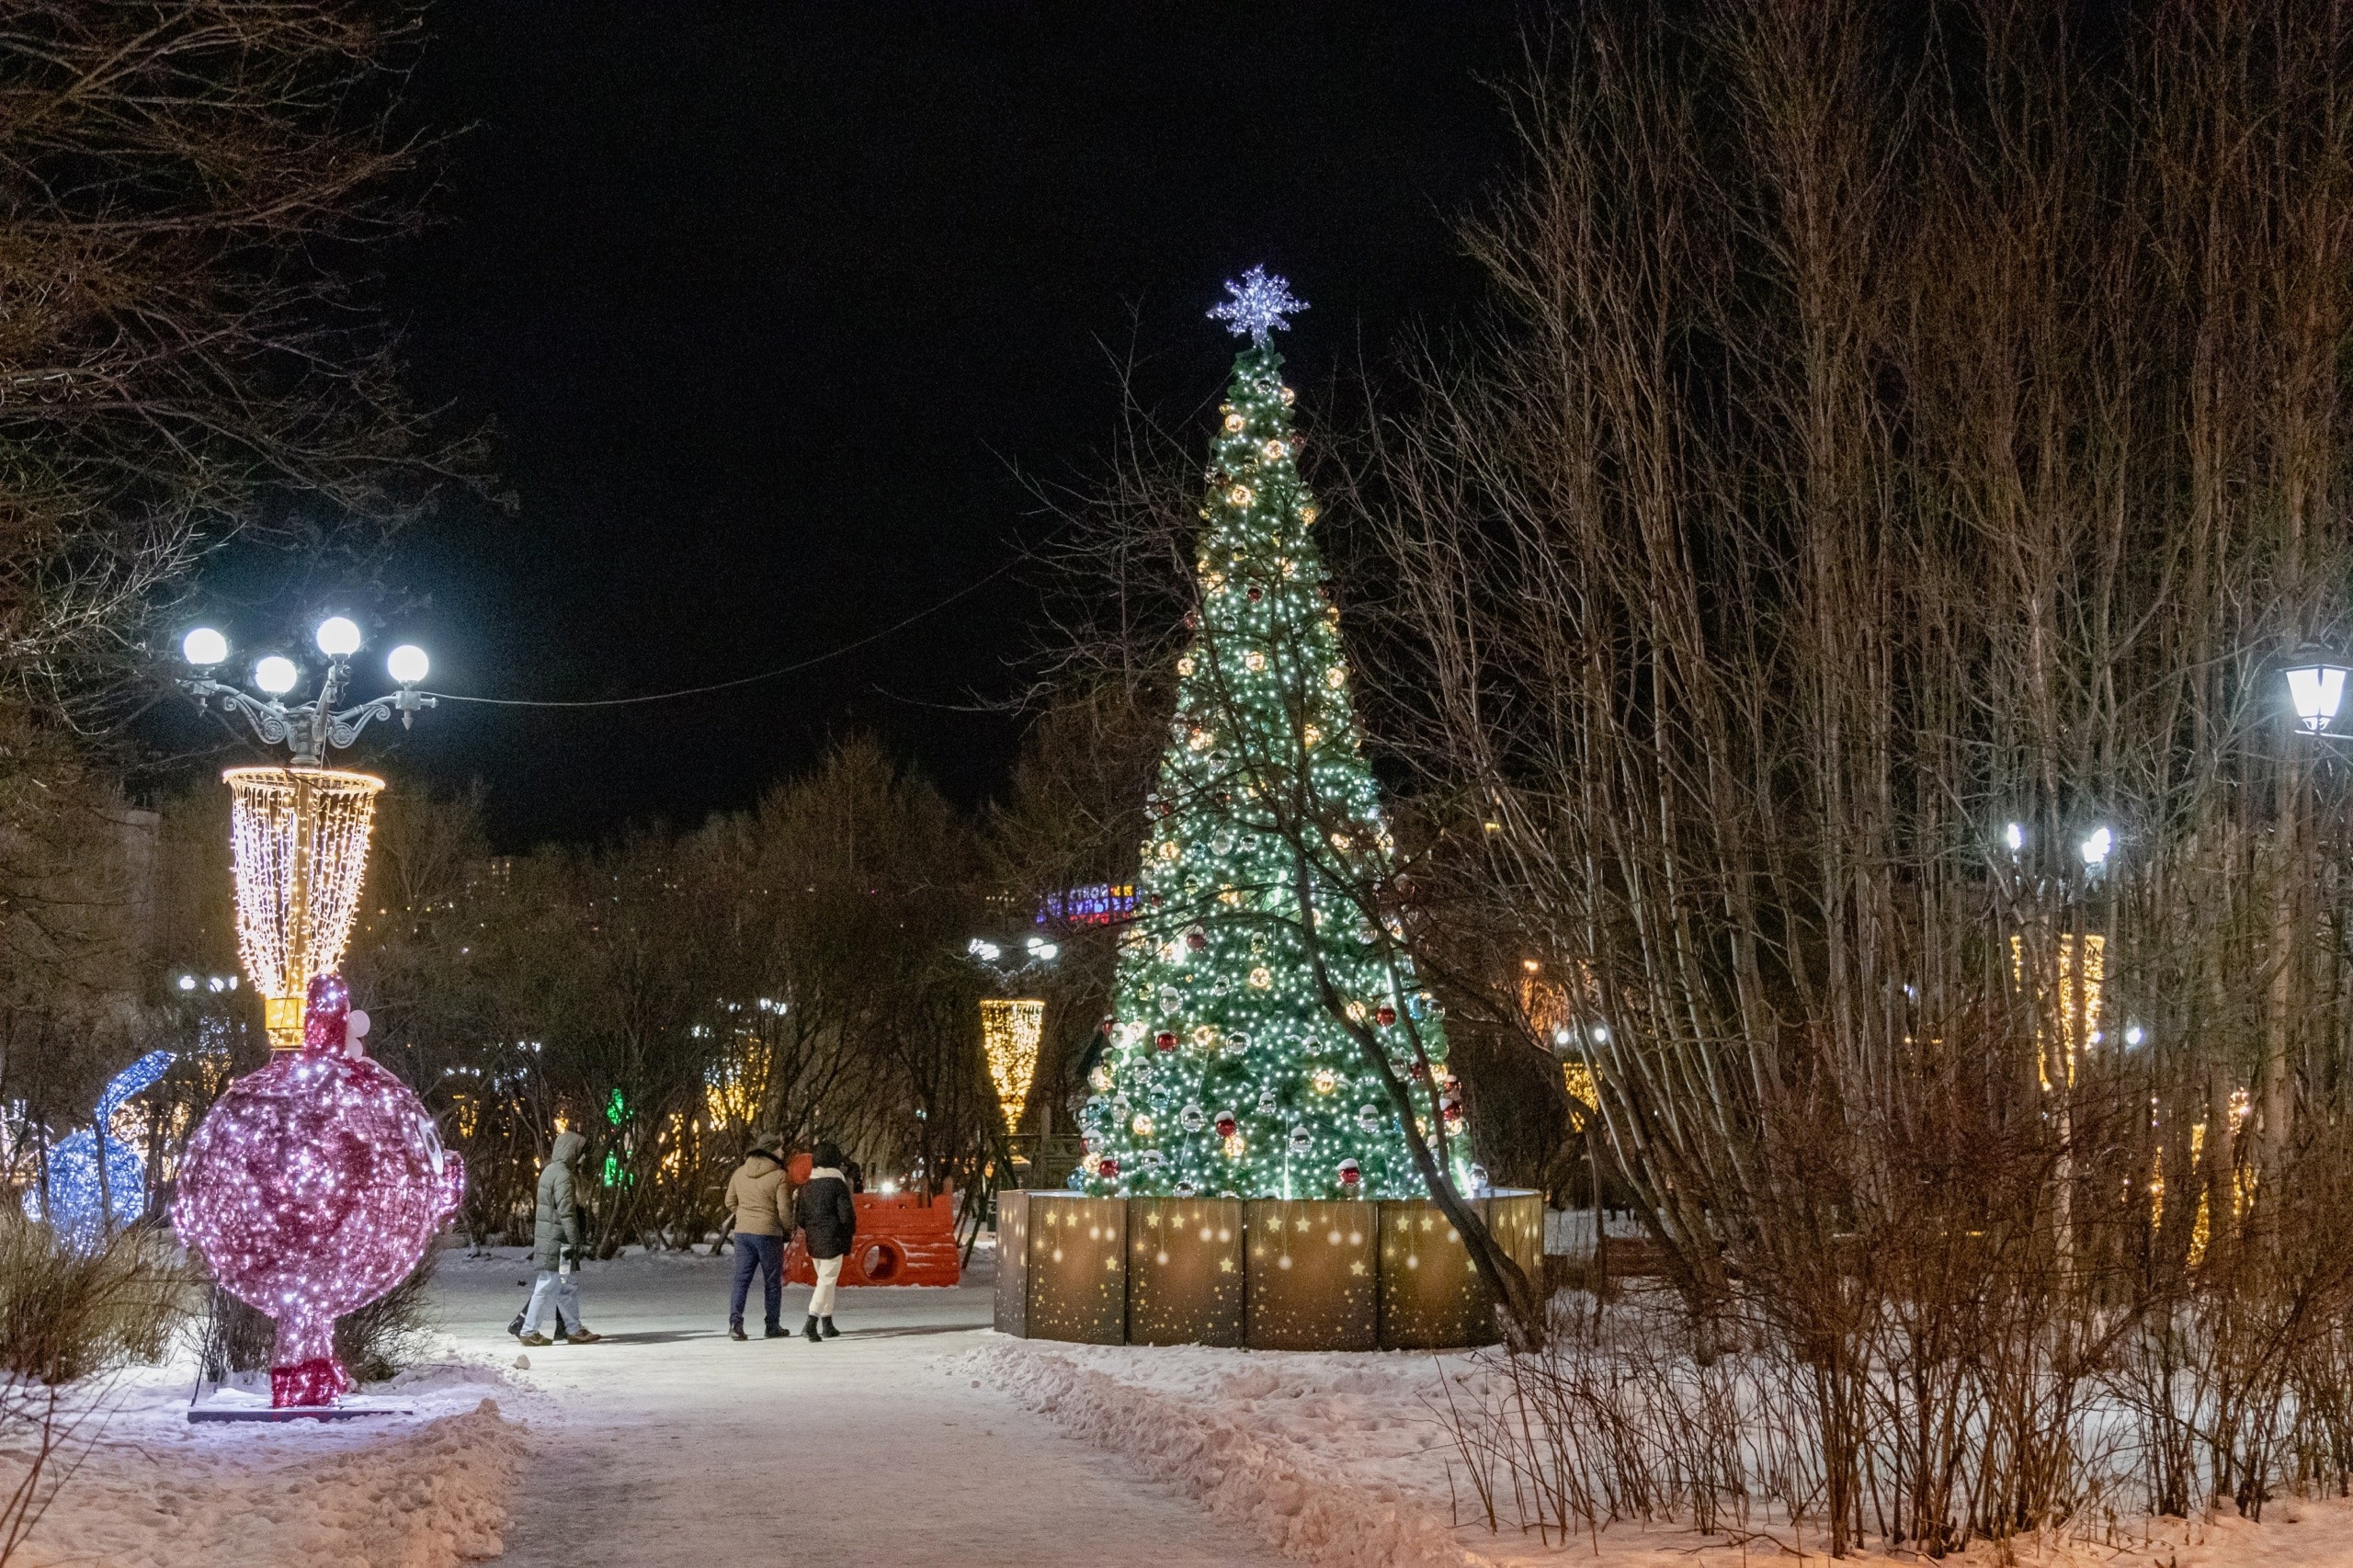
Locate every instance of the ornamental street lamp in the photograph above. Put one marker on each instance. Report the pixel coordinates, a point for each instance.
(308, 729)
(299, 833)
(2316, 687)
(1011, 1028)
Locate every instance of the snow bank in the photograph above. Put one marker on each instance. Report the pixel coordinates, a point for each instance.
(1228, 1431)
(423, 1491)
(1342, 1459)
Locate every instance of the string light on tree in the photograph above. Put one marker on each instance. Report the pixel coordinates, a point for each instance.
(1225, 1073)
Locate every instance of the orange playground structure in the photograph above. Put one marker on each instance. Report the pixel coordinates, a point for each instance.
(903, 1239)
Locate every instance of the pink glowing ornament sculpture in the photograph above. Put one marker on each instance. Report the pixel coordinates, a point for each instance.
(312, 1187)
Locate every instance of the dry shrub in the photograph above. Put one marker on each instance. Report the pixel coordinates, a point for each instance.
(388, 1333)
(1614, 1418)
(66, 1316)
(68, 1321)
(2237, 1376)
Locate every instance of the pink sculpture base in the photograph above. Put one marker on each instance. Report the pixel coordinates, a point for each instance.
(320, 1381)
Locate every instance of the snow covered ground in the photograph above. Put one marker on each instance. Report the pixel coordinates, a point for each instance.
(671, 1444)
(1342, 1459)
(919, 1437)
(426, 1490)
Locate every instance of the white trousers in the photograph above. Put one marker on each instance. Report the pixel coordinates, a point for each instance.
(829, 1274)
(553, 1290)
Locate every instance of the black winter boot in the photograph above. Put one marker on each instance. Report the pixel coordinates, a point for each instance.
(735, 1331)
(826, 1323)
(809, 1332)
(776, 1331)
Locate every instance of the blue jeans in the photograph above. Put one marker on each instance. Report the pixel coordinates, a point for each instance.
(767, 1254)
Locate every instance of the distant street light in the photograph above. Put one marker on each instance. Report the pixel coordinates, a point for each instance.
(2097, 847)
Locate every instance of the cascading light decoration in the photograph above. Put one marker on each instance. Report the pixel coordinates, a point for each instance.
(1010, 1030)
(312, 1187)
(299, 841)
(1226, 1073)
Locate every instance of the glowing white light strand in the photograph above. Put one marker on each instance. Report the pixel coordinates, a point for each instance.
(299, 843)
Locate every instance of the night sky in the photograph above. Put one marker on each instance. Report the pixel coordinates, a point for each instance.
(766, 302)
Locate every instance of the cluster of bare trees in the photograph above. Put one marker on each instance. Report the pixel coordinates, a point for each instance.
(1835, 609)
(791, 972)
(190, 191)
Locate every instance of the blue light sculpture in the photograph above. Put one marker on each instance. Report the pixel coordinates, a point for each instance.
(80, 1208)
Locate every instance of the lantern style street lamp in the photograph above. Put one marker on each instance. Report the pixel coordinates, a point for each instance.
(2316, 687)
(299, 833)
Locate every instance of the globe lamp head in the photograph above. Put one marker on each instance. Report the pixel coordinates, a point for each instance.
(338, 637)
(276, 674)
(407, 664)
(204, 648)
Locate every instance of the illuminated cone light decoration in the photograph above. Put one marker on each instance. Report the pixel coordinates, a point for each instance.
(299, 837)
(1010, 1030)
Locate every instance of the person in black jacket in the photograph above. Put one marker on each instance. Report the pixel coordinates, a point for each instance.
(828, 1222)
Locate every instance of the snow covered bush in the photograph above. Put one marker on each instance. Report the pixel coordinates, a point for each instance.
(67, 1321)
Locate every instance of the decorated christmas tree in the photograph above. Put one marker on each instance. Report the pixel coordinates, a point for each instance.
(1255, 991)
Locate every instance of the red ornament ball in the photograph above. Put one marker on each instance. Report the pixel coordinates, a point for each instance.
(1226, 1124)
(1450, 1109)
(1387, 1015)
(1108, 1022)
(1350, 1172)
(1255, 595)
(1419, 1071)
(1109, 1169)
(1197, 938)
(1166, 1039)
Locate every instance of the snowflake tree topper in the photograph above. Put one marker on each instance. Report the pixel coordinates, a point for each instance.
(1259, 306)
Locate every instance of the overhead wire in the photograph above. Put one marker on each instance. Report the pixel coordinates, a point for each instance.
(965, 592)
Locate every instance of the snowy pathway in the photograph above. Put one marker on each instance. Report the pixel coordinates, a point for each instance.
(671, 1444)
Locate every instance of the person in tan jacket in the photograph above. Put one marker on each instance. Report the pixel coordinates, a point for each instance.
(761, 1207)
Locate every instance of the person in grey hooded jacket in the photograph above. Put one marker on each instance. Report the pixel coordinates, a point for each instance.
(555, 1249)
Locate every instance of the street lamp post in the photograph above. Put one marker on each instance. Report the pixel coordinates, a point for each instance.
(2317, 688)
(309, 729)
(299, 833)
(1012, 1028)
